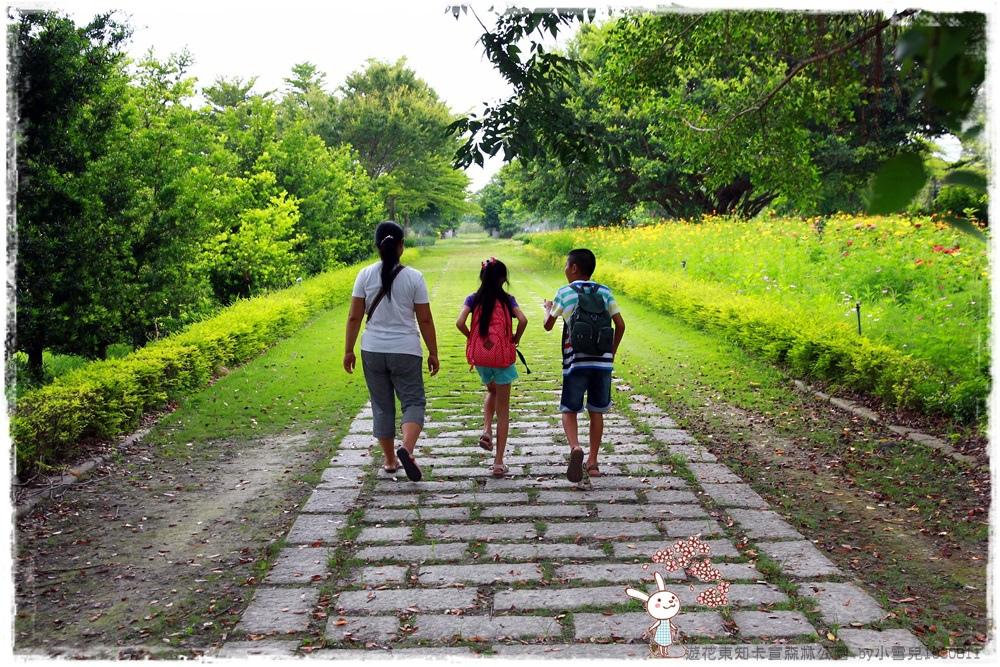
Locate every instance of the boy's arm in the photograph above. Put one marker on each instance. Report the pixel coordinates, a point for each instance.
(619, 323)
(550, 319)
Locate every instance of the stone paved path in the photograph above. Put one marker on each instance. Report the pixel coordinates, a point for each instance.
(533, 565)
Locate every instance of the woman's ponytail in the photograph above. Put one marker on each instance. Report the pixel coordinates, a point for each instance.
(388, 236)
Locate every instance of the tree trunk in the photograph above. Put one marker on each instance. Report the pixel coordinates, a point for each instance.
(36, 369)
(391, 205)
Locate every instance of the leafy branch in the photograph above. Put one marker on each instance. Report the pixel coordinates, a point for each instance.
(766, 98)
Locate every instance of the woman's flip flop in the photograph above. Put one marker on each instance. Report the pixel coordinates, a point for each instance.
(409, 465)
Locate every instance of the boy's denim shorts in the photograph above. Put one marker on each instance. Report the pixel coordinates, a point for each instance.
(497, 375)
(595, 382)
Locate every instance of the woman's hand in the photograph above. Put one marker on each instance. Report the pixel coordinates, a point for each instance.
(433, 365)
(349, 361)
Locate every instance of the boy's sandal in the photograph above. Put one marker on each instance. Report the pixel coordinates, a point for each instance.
(409, 465)
(486, 442)
(500, 469)
(593, 470)
(574, 472)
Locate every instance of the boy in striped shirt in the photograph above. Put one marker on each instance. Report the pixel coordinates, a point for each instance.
(583, 374)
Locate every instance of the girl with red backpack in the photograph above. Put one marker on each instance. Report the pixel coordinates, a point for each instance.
(491, 347)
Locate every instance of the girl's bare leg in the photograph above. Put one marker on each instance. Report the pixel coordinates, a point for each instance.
(489, 409)
(502, 404)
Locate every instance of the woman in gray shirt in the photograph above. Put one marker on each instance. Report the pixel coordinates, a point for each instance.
(393, 300)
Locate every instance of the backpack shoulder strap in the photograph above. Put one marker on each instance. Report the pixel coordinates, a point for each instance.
(380, 295)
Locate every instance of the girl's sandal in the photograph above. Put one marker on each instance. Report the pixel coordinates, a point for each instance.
(486, 442)
(500, 469)
(593, 470)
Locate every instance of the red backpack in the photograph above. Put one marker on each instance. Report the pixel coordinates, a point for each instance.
(497, 349)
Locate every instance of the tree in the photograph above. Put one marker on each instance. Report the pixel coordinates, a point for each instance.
(337, 202)
(307, 103)
(166, 141)
(491, 199)
(69, 87)
(399, 128)
(254, 253)
(244, 123)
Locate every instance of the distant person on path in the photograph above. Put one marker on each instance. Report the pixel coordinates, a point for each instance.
(589, 345)
(491, 349)
(393, 301)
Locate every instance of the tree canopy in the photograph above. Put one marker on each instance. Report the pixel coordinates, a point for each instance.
(699, 112)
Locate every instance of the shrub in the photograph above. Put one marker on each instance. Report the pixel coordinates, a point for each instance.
(957, 199)
(104, 398)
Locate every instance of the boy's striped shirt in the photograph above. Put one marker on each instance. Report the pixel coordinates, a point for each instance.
(563, 305)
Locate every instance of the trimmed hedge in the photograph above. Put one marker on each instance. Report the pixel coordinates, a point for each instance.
(806, 347)
(106, 398)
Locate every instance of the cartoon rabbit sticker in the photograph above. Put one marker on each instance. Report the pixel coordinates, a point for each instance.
(662, 606)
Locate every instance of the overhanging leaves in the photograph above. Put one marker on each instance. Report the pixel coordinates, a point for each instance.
(897, 182)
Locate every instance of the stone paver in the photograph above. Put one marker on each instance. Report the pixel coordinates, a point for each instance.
(532, 552)
(799, 558)
(275, 609)
(650, 511)
(362, 628)
(519, 565)
(772, 624)
(763, 524)
(601, 529)
(313, 528)
(842, 603)
(417, 514)
(691, 453)
(537, 512)
(714, 473)
(442, 575)
(324, 501)
(478, 628)
(416, 552)
(299, 566)
(393, 600)
(735, 495)
(373, 576)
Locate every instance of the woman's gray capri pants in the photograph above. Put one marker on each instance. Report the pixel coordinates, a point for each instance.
(389, 375)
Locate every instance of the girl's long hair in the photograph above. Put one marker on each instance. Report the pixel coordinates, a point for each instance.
(492, 278)
(387, 237)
